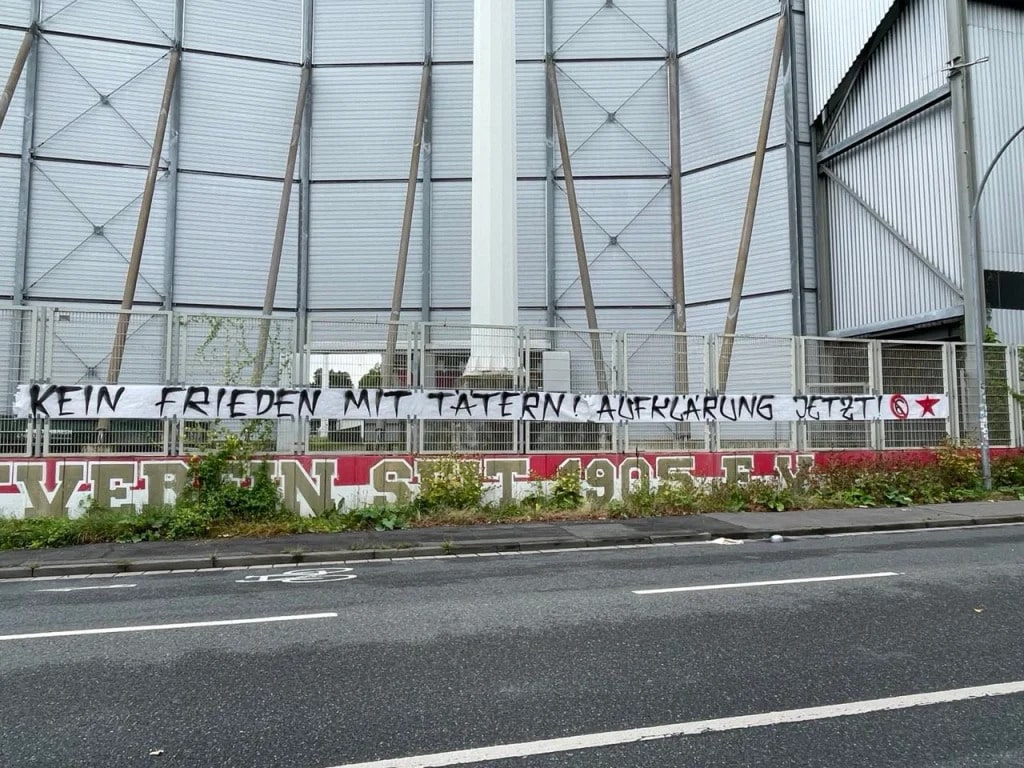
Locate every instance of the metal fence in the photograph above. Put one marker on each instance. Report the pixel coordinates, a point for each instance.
(74, 346)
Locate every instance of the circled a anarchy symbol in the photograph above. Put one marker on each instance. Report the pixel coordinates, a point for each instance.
(899, 406)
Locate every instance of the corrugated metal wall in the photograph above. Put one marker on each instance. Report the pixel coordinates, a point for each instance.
(101, 71)
(837, 33)
(10, 148)
(998, 106)
(890, 202)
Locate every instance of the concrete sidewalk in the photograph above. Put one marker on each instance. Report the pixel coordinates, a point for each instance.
(419, 542)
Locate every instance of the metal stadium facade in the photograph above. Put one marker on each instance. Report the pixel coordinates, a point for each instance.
(584, 195)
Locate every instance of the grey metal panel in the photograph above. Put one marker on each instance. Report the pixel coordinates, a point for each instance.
(1008, 325)
(11, 132)
(802, 80)
(713, 207)
(261, 28)
(650, 320)
(530, 29)
(451, 246)
(616, 116)
(224, 239)
(453, 26)
(144, 21)
(531, 126)
(366, 31)
(236, 114)
(355, 231)
(635, 269)
(453, 30)
(908, 176)
(808, 180)
(998, 111)
(715, 127)
(452, 121)
(16, 12)
(531, 255)
(10, 175)
(700, 22)
(81, 232)
(595, 28)
(457, 318)
(836, 34)
(72, 119)
(811, 313)
(767, 315)
(907, 65)
(363, 121)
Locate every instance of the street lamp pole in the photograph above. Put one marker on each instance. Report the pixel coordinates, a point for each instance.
(978, 340)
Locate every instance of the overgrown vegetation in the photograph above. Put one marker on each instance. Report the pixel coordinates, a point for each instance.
(231, 492)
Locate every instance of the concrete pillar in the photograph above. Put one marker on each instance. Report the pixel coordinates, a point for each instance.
(494, 290)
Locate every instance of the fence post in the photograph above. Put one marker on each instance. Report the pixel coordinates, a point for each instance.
(799, 431)
(49, 329)
(422, 335)
(1013, 382)
(949, 387)
(877, 383)
(626, 439)
(168, 424)
(35, 335)
(711, 388)
(525, 427)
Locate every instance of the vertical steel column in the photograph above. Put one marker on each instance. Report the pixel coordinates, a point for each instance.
(795, 186)
(427, 201)
(7, 95)
(973, 268)
(172, 429)
(173, 154)
(550, 191)
(282, 226)
(403, 247)
(302, 321)
(28, 136)
(305, 166)
(26, 327)
(732, 316)
(682, 377)
(145, 208)
(577, 228)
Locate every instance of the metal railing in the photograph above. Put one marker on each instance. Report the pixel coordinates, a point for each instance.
(73, 346)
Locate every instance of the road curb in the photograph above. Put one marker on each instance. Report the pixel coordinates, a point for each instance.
(454, 547)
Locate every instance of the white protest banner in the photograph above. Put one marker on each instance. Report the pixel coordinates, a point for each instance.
(52, 401)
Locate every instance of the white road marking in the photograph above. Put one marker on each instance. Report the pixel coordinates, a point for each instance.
(764, 583)
(635, 735)
(82, 589)
(560, 551)
(154, 627)
(303, 576)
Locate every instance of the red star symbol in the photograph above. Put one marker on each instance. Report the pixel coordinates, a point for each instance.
(928, 404)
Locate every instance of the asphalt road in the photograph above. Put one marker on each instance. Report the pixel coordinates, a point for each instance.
(497, 653)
